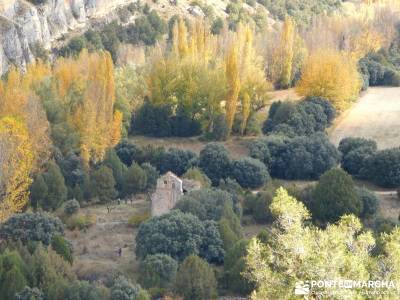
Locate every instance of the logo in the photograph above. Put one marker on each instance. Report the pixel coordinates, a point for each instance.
(302, 288)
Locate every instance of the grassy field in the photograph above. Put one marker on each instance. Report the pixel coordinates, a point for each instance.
(95, 249)
(376, 115)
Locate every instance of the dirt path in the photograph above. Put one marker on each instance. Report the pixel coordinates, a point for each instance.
(376, 115)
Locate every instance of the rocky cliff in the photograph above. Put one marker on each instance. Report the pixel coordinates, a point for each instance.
(23, 25)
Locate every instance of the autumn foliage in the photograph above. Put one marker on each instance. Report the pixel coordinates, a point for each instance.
(332, 75)
(87, 90)
(16, 163)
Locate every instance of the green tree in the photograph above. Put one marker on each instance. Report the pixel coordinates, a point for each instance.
(71, 207)
(177, 161)
(158, 270)
(36, 227)
(296, 251)
(334, 196)
(229, 227)
(12, 275)
(197, 175)
(370, 202)
(206, 204)
(135, 180)
(50, 272)
(62, 247)
(234, 267)
(118, 168)
(103, 184)
(38, 191)
(196, 280)
(152, 176)
(215, 162)
(250, 172)
(56, 189)
(82, 290)
(383, 168)
(122, 289)
(178, 235)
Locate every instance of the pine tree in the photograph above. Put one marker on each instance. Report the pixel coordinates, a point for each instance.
(56, 189)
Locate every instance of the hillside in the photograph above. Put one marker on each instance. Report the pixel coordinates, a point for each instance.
(199, 150)
(30, 28)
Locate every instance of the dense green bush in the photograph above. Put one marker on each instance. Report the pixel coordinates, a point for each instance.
(249, 172)
(305, 118)
(71, 207)
(234, 267)
(214, 205)
(82, 290)
(36, 227)
(160, 121)
(217, 26)
(158, 271)
(178, 234)
(103, 184)
(302, 11)
(122, 289)
(380, 68)
(349, 144)
(370, 202)
(355, 151)
(230, 227)
(177, 161)
(258, 206)
(197, 175)
(146, 30)
(48, 189)
(29, 294)
(128, 152)
(383, 168)
(80, 222)
(215, 162)
(13, 274)
(196, 280)
(219, 130)
(62, 247)
(296, 158)
(135, 180)
(152, 175)
(206, 204)
(334, 196)
(76, 175)
(118, 169)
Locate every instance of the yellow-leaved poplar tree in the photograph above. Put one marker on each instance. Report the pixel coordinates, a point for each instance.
(287, 51)
(332, 75)
(233, 82)
(254, 87)
(18, 99)
(89, 97)
(16, 164)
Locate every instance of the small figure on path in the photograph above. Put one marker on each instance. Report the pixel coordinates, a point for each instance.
(119, 252)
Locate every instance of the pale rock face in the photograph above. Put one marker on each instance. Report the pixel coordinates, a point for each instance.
(22, 25)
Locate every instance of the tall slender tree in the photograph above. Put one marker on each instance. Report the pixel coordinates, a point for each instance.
(16, 164)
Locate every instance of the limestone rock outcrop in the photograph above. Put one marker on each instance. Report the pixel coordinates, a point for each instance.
(24, 25)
